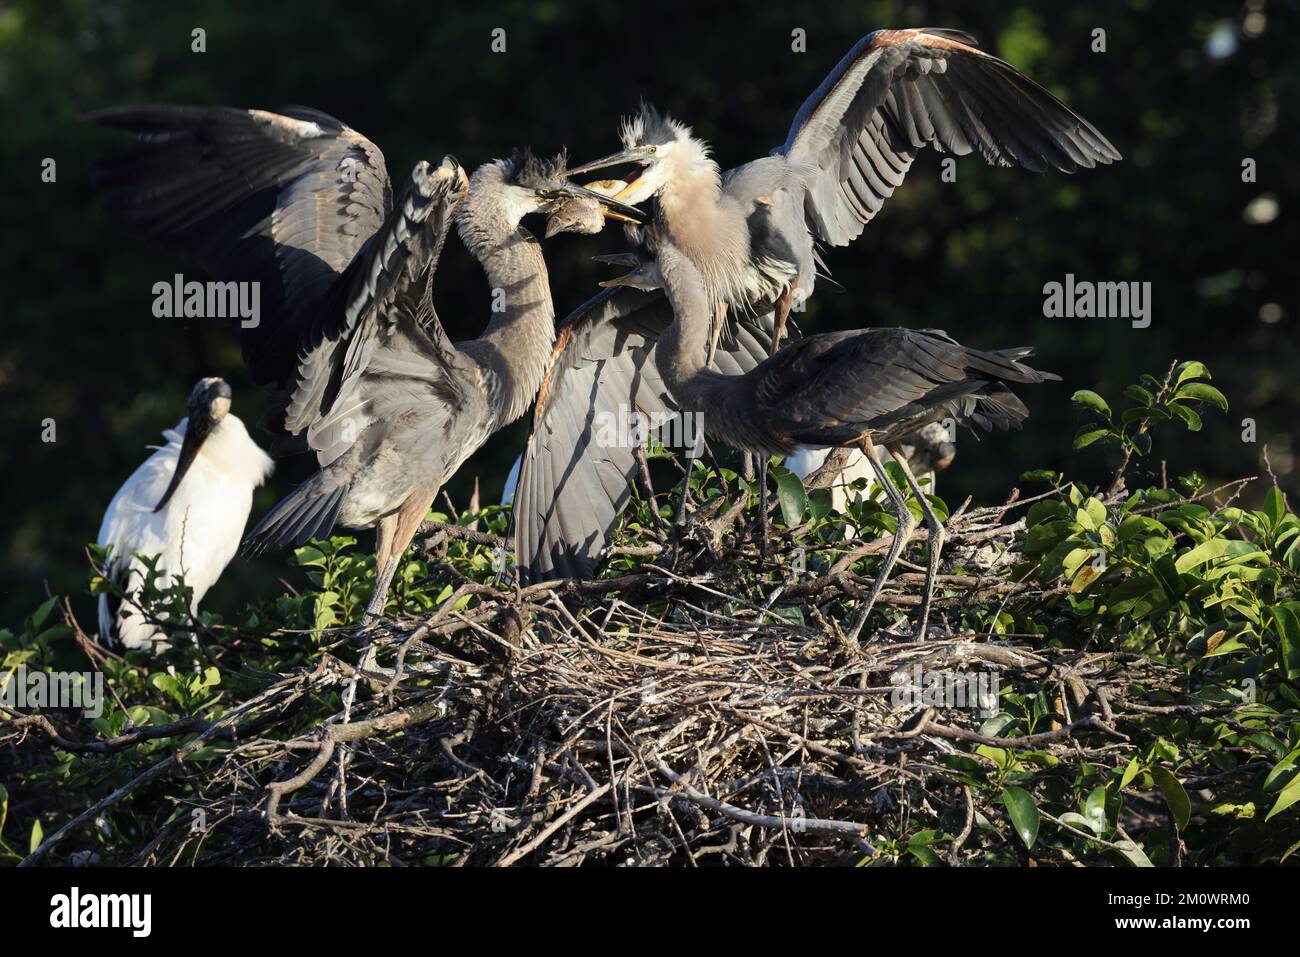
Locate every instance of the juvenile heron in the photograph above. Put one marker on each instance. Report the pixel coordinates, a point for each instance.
(863, 388)
(187, 505)
(850, 145)
(389, 404)
(302, 204)
(752, 232)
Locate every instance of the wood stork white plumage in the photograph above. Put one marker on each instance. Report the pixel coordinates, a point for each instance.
(187, 504)
(928, 452)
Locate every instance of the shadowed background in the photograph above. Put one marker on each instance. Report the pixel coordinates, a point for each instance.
(1185, 92)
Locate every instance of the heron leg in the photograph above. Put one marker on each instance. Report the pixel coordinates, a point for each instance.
(384, 532)
(934, 543)
(902, 532)
(406, 522)
(781, 312)
(685, 493)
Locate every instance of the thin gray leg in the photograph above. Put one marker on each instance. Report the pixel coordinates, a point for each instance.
(383, 580)
(905, 526)
(934, 544)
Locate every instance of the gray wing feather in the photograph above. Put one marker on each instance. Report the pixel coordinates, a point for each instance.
(283, 199)
(572, 487)
(379, 321)
(900, 91)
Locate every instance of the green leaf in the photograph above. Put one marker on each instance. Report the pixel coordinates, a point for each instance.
(1081, 823)
(820, 503)
(1133, 854)
(1040, 512)
(38, 835)
(1130, 772)
(793, 498)
(1023, 809)
(1091, 400)
(1046, 476)
(924, 854)
(1202, 393)
(1094, 809)
(1290, 794)
(1287, 618)
(169, 686)
(1085, 439)
(1139, 395)
(1274, 507)
(43, 612)
(1189, 417)
(1175, 794)
(1205, 552)
(1190, 370)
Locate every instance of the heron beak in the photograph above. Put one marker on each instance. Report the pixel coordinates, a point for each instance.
(634, 155)
(614, 283)
(196, 432)
(629, 260)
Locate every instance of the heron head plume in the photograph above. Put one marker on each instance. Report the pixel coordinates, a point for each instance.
(664, 154)
(503, 192)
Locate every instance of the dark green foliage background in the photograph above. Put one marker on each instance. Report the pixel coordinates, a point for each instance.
(81, 345)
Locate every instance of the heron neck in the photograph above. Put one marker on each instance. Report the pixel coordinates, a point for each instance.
(683, 347)
(517, 341)
(713, 233)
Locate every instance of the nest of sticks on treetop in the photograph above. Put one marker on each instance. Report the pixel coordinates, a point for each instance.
(667, 716)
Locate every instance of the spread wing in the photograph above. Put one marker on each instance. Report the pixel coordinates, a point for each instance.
(377, 325)
(283, 199)
(578, 465)
(900, 91)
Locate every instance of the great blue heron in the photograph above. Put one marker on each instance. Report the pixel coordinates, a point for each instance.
(752, 232)
(187, 505)
(389, 404)
(863, 388)
(302, 204)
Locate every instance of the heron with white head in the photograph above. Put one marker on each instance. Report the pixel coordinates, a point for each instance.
(753, 233)
(187, 504)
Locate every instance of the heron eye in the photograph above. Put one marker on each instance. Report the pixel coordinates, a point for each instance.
(653, 148)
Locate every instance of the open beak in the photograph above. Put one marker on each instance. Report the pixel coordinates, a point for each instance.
(630, 260)
(634, 155)
(196, 432)
(621, 211)
(617, 281)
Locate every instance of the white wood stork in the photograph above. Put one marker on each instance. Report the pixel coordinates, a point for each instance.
(187, 504)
